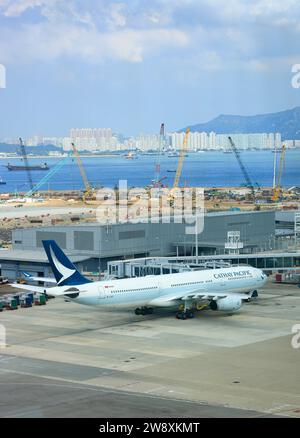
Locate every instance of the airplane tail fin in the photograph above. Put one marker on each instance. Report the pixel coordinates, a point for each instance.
(26, 274)
(65, 273)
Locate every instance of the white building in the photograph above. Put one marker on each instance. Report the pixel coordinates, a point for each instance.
(213, 141)
(93, 139)
(292, 144)
(35, 140)
(196, 140)
(38, 140)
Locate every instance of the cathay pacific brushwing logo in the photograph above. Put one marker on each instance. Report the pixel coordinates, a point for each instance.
(63, 270)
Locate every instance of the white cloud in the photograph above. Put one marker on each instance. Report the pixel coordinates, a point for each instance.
(257, 65)
(222, 32)
(210, 61)
(17, 7)
(154, 17)
(268, 8)
(161, 10)
(116, 16)
(46, 42)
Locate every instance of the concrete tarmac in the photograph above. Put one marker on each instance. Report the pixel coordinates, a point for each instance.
(69, 360)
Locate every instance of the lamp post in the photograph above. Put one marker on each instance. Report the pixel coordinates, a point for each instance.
(99, 259)
(196, 239)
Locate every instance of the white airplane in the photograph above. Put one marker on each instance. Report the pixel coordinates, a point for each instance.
(30, 277)
(222, 289)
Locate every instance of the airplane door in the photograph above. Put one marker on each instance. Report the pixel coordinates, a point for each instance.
(103, 293)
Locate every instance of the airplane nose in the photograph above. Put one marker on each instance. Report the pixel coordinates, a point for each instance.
(263, 276)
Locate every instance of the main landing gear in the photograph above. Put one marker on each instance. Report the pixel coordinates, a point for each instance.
(184, 312)
(185, 315)
(143, 311)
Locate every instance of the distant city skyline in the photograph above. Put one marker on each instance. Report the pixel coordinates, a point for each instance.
(103, 139)
(131, 65)
(286, 121)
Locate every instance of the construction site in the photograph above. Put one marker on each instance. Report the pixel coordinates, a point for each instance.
(68, 353)
(39, 206)
(241, 220)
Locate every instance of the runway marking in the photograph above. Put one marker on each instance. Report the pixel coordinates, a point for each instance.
(102, 388)
(285, 407)
(7, 358)
(107, 390)
(175, 392)
(155, 389)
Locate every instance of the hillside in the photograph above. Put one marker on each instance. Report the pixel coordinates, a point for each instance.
(286, 122)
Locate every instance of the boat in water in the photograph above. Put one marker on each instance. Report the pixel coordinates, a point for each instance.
(2, 182)
(173, 154)
(155, 153)
(131, 156)
(38, 167)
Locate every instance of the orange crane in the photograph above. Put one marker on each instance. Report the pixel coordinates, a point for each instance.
(181, 159)
(277, 188)
(88, 188)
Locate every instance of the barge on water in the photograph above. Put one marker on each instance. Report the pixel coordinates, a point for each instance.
(38, 167)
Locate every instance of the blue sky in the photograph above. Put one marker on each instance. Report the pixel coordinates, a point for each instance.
(130, 65)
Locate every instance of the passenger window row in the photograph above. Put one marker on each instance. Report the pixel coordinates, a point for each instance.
(134, 290)
(187, 284)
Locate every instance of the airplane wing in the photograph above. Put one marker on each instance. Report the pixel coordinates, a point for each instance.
(51, 291)
(42, 279)
(29, 287)
(196, 295)
(30, 277)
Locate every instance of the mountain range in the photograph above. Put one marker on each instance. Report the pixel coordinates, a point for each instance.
(35, 150)
(286, 122)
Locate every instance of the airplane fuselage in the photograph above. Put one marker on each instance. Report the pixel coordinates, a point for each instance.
(150, 290)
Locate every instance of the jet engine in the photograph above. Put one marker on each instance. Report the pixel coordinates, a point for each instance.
(72, 292)
(228, 304)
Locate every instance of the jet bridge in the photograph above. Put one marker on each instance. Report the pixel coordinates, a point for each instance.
(159, 266)
(271, 262)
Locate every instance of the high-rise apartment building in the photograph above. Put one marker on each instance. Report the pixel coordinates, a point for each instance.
(92, 139)
(213, 141)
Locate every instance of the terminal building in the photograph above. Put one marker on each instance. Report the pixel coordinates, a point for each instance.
(91, 246)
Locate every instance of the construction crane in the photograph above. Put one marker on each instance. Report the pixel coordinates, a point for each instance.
(243, 168)
(47, 177)
(156, 181)
(277, 187)
(25, 159)
(88, 189)
(181, 159)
